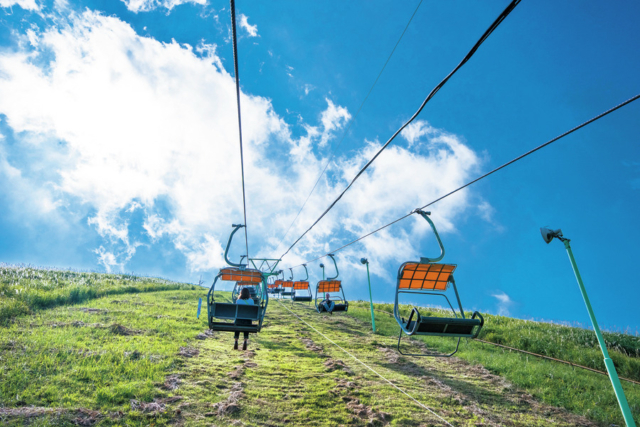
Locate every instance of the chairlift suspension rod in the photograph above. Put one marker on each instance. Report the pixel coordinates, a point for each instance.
(235, 67)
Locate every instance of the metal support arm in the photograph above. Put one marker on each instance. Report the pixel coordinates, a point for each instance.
(226, 251)
(336, 264)
(425, 215)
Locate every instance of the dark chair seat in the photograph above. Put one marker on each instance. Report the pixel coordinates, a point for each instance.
(341, 307)
(231, 327)
(443, 326)
(336, 307)
(234, 313)
(303, 298)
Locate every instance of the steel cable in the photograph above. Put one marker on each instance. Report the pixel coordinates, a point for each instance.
(435, 90)
(235, 67)
(350, 124)
(599, 116)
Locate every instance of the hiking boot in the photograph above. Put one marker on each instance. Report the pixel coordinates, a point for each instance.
(244, 346)
(235, 346)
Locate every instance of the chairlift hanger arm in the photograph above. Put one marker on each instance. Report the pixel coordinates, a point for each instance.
(306, 272)
(425, 215)
(226, 251)
(336, 265)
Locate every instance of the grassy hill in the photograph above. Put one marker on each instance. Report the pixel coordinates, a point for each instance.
(24, 289)
(131, 352)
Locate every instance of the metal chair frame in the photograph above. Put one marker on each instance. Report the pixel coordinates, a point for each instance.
(340, 293)
(227, 312)
(412, 328)
(301, 298)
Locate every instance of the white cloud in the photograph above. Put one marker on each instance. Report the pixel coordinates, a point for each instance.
(25, 4)
(148, 5)
(308, 88)
(134, 126)
(504, 303)
(416, 130)
(333, 118)
(252, 30)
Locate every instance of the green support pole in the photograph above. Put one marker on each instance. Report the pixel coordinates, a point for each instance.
(373, 319)
(613, 375)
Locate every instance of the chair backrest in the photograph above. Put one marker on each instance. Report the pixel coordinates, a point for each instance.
(287, 284)
(416, 276)
(249, 312)
(272, 286)
(301, 285)
(328, 286)
(238, 275)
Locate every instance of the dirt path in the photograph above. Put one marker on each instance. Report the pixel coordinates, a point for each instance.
(293, 375)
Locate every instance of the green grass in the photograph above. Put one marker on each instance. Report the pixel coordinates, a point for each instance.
(121, 360)
(99, 356)
(113, 355)
(573, 344)
(578, 390)
(26, 289)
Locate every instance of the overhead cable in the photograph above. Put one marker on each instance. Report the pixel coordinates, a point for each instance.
(599, 116)
(333, 150)
(235, 67)
(435, 90)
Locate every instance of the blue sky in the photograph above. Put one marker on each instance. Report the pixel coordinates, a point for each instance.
(118, 146)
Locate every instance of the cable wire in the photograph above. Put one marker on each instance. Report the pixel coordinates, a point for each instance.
(370, 368)
(235, 67)
(333, 150)
(435, 90)
(599, 116)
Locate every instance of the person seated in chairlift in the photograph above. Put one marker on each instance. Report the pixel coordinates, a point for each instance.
(328, 304)
(244, 298)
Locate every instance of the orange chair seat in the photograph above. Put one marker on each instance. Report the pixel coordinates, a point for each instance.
(426, 277)
(329, 286)
(238, 275)
(301, 285)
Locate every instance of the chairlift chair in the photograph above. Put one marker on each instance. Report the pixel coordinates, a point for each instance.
(298, 294)
(427, 277)
(333, 288)
(286, 286)
(271, 288)
(223, 316)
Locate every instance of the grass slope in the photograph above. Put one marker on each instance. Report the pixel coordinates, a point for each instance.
(25, 289)
(143, 359)
(577, 390)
